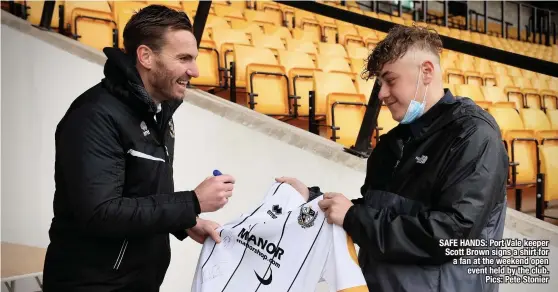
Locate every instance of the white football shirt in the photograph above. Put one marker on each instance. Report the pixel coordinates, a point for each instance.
(283, 245)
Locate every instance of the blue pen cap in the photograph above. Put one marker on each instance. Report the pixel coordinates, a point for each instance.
(216, 173)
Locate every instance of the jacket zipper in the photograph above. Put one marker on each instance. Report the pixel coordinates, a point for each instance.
(400, 157)
(123, 247)
(397, 162)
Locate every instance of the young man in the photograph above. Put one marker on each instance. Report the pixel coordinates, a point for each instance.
(115, 203)
(440, 174)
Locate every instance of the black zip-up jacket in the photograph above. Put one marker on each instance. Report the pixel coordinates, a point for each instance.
(115, 204)
(441, 177)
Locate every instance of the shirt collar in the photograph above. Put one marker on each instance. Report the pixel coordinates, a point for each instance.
(431, 114)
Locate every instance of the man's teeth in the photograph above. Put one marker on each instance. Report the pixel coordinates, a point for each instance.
(182, 82)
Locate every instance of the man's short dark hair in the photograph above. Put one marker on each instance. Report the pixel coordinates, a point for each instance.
(148, 27)
(398, 41)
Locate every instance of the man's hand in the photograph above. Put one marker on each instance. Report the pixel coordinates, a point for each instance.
(202, 229)
(335, 207)
(297, 185)
(214, 192)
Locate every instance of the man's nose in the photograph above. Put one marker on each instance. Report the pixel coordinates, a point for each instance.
(384, 93)
(193, 71)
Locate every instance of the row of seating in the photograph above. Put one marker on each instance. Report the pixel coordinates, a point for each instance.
(549, 53)
(519, 98)
(278, 62)
(98, 22)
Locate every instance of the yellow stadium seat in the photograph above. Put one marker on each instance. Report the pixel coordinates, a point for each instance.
(214, 22)
(300, 69)
(450, 87)
(536, 120)
(471, 91)
(549, 166)
(269, 13)
(303, 18)
(337, 98)
(552, 115)
(171, 4)
(348, 34)
(35, 11)
(224, 39)
(345, 114)
(250, 28)
(269, 87)
(91, 22)
(122, 12)
(226, 11)
(356, 52)
(334, 64)
(521, 145)
(308, 47)
(550, 100)
(279, 31)
(208, 65)
(272, 42)
(333, 50)
(365, 87)
(189, 6)
(357, 66)
(309, 35)
(331, 83)
(385, 122)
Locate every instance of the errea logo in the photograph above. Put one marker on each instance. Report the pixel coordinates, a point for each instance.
(275, 210)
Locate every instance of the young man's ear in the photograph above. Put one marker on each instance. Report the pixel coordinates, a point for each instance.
(427, 72)
(145, 56)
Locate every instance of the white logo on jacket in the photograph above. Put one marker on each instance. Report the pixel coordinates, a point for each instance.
(144, 129)
(421, 159)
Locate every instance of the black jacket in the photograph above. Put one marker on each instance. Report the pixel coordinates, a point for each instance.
(115, 203)
(441, 177)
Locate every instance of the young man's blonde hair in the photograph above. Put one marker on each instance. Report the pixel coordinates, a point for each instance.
(400, 40)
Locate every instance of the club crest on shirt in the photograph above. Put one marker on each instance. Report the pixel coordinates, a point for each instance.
(307, 217)
(171, 128)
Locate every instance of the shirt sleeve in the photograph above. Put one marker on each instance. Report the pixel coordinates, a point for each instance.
(91, 164)
(471, 187)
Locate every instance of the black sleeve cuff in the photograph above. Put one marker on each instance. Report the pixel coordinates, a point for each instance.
(314, 193)
(180, 235)
(358, 201)
(196, 202)
(349, 223)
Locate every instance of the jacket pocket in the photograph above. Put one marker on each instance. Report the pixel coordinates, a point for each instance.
(118, 261)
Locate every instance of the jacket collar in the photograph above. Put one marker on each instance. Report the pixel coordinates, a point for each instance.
(124, 81)
(424, 123)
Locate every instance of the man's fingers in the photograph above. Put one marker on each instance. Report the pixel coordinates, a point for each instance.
(282, 179)
(227, 194)
(228, 187)
(225, 178)
(325, 204)
(330, 195)
(214, 235)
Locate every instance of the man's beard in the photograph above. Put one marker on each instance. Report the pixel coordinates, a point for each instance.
(162, 84)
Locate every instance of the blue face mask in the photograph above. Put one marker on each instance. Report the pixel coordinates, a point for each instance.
(415, 109)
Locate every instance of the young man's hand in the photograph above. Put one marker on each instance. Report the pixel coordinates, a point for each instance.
(335, 207)
(296, 184)
(203, 229)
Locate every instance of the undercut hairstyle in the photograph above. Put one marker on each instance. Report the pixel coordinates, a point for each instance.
(400, 40)
(149, 25)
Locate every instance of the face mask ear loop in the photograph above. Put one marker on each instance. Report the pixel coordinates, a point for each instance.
(425, 91)
(416, 90)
